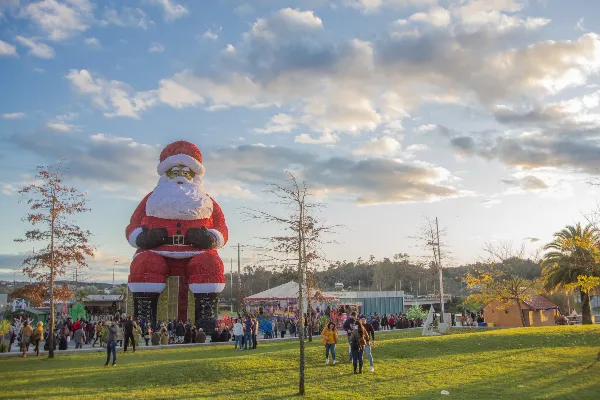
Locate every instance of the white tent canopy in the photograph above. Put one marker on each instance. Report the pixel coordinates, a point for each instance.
(287, 291)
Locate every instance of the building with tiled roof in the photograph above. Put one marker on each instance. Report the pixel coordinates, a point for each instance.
(538, 311)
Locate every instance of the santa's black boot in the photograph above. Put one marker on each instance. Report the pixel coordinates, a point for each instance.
(206, 306)
(145, 306)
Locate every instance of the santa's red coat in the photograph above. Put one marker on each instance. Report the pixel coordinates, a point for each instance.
(201, 266)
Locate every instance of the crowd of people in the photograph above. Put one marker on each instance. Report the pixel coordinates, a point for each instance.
(243, 331)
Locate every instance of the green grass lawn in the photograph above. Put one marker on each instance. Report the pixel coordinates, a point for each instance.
(532, 363)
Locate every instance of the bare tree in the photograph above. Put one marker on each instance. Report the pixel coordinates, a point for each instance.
(299, 245)
(67, 245)
(429, 238)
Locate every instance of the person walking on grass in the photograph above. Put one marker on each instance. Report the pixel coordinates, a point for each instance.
(128, 328)
(254, 332)
(26, 332)
(370, 339)
(281, 327)
(248, 333)
(37, 336)
(238, 333)
(358, 341)
(349, 326)
(79, 337)
(329, 336)
(111, 343)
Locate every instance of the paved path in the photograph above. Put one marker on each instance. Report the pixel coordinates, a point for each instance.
(89, 349)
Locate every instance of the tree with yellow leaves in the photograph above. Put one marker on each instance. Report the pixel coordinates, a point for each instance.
(499, 278)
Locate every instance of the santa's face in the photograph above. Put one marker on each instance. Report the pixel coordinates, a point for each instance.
(179, 195)
(180, 174)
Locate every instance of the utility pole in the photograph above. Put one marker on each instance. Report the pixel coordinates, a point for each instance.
(359, 285)
(231, 282)
(239, 270)
(114, 264)
(437, 229)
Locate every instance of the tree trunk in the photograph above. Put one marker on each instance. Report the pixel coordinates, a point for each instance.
(300, 297)
(586, 311)
(523, 323)
(51, 330)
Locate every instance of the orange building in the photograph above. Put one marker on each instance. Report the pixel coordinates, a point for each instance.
(539, 311)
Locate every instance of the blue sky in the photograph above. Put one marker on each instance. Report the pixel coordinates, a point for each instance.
(484, 113)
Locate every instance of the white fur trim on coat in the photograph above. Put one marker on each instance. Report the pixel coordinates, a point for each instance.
(136, 232)
(177, 254)
(207, 287)
(180, 159)
(219, 236)
(146, 287)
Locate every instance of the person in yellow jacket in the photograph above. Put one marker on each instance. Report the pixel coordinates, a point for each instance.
(38, 335)
(329, 336)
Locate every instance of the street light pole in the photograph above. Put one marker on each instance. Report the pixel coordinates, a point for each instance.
(437, 229)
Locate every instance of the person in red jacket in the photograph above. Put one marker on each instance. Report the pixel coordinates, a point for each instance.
(177, 229)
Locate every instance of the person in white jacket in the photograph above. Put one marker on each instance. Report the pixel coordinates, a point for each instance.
(238, 332)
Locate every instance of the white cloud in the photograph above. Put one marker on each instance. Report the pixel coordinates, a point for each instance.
(176, 95)
(280, 123)
(325, 138)
(16, 115)
(92, 42)
(7, 49)
(61, 19)
(436, 16)
(116, 98)
(8, 189)
(230, 49)
(127, 17)
(228, 189)
(210, 35)
(383, 146)
(417, 147)
(495, 14)
(426, 128)
(36, 49)
(371, 6)
(59, 126)
(580, 25)
(283, 24)
(156, 48)
(171, 10)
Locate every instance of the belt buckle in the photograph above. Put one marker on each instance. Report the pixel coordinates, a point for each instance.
(178, 240)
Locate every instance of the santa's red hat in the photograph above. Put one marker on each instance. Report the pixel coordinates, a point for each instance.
(181, 153)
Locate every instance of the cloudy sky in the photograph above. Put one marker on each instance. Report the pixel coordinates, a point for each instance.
(484, 113)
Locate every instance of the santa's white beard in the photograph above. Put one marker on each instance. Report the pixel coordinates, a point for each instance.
(187, 201)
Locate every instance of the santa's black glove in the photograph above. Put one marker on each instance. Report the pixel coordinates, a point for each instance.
(149, 239)
(201, 238)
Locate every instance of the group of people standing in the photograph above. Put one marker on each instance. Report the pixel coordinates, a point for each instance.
(361, 337)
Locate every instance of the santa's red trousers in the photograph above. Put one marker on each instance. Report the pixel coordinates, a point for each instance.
(202, 273)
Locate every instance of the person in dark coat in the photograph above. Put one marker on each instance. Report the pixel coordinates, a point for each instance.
(187, 337)
(180, 331)
(225, 336)
(129, 334)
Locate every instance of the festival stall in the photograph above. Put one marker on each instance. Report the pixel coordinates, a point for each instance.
(282, 300)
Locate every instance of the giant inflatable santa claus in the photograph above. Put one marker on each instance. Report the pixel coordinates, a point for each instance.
(177, 229)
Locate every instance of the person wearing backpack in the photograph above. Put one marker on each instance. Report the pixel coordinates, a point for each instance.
(358, 342)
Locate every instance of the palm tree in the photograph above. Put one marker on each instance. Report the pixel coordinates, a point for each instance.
(574, 252)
